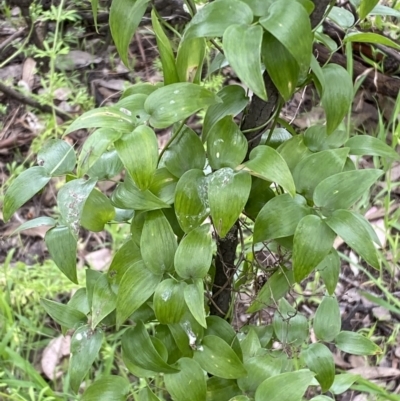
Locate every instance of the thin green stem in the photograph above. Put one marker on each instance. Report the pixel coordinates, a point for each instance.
(173, 137)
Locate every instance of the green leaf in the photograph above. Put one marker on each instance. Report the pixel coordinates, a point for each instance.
(215, 356)
(352, 230)
(273, 290)
(97, 211)
(136, 286)
(260, 194)
(191, 200)
(38, 222)
(23, 188)
(242, 46)
(149, 358)
(194, 298)
(125, 17)
(175, 102)
(185, 153)
(250, 344)
(219, 327)
(95, 145)
(145, 394)
(64, 315)
(107, 166)
(343, 382)
(329, 270)
(385, 11)
(368, 145)
(340, 191)
(266, 163)
(227, 193)
(316, 138)
(369, 37)
(226, 145)
(194, 254)
(190, 58)
(107, 388)
(79, 301)
(258, 7)
(57, 157)
(356, 344)
(157, 234)
(298, 39)
(62, 246)
(315, 168)
(169, 301)
(278, 137)
(104, 117)
(327, 320)
(319, 359)
(286, 386)
(234, 100)
(279, 217)
(282, 67)
(164, 185)
(85, 346)
(366, 6)
(189, 384)
(166, 54)
(337, 95)
(214, 18)
(219, 389)
(341, 17)
(143, 88)
(133, 106)
(321, 398)
(313, 239)
(138, 151)
(293, 150)
(104, 300)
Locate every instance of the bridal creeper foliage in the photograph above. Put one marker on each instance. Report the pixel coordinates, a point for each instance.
(297, 188)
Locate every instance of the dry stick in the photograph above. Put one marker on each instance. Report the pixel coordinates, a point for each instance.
(258, 114)
(32, 102)
(12, 37)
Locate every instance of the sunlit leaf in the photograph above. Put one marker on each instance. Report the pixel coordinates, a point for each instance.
(190, 58)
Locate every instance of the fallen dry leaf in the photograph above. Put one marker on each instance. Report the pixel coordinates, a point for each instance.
(99, 260)
(52, 355)
(375, 372)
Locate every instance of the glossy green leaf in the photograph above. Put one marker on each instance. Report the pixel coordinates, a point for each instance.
(97, 211)
(164, 334)
(185, 153)
(219, 389)
(293, 150)
(215, 356)
(343, 382)
(228, 192)
(219, 327)
(369, 37)
(278, 137)
(125, 17)
(234, 100)
(104, 300)
(91, 277)
(327, 320)
(368, 145)
(319, 359)
(337, 95)
(65, 315)
(226, 145)
(104, 117)
(194, 254)
(356, 344)
(315, 168)
(316, 138)
(194, 298)
(57, 157)
(157, 234)
(85, 347)
(313, 239)
(79, 301)
(143, 88)
(242, 46)
(258, 7)
(164, 185)
(169, 301)
(279, 217)
(107, 388)
(133, 106)
(286, 386)
(340, 191)
(341, 17)
(250, 345)
(38, 222)
(266, 163)
(260, 194)
(189, 384)
(282, 67)
(145, 394)
(107, 166)
(62, 246)
(175, 102)
(213, 19)
(191, 200)
(273, 290)
(190, 58)
(348, 226)
(166, 54)
(136, 286)
(329, 270)
(298, 39)
(366, 6)
(23, 188)
(138, 151)
(95, 145)
(137, 338)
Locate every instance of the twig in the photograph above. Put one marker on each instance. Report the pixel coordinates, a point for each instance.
(12, 37)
